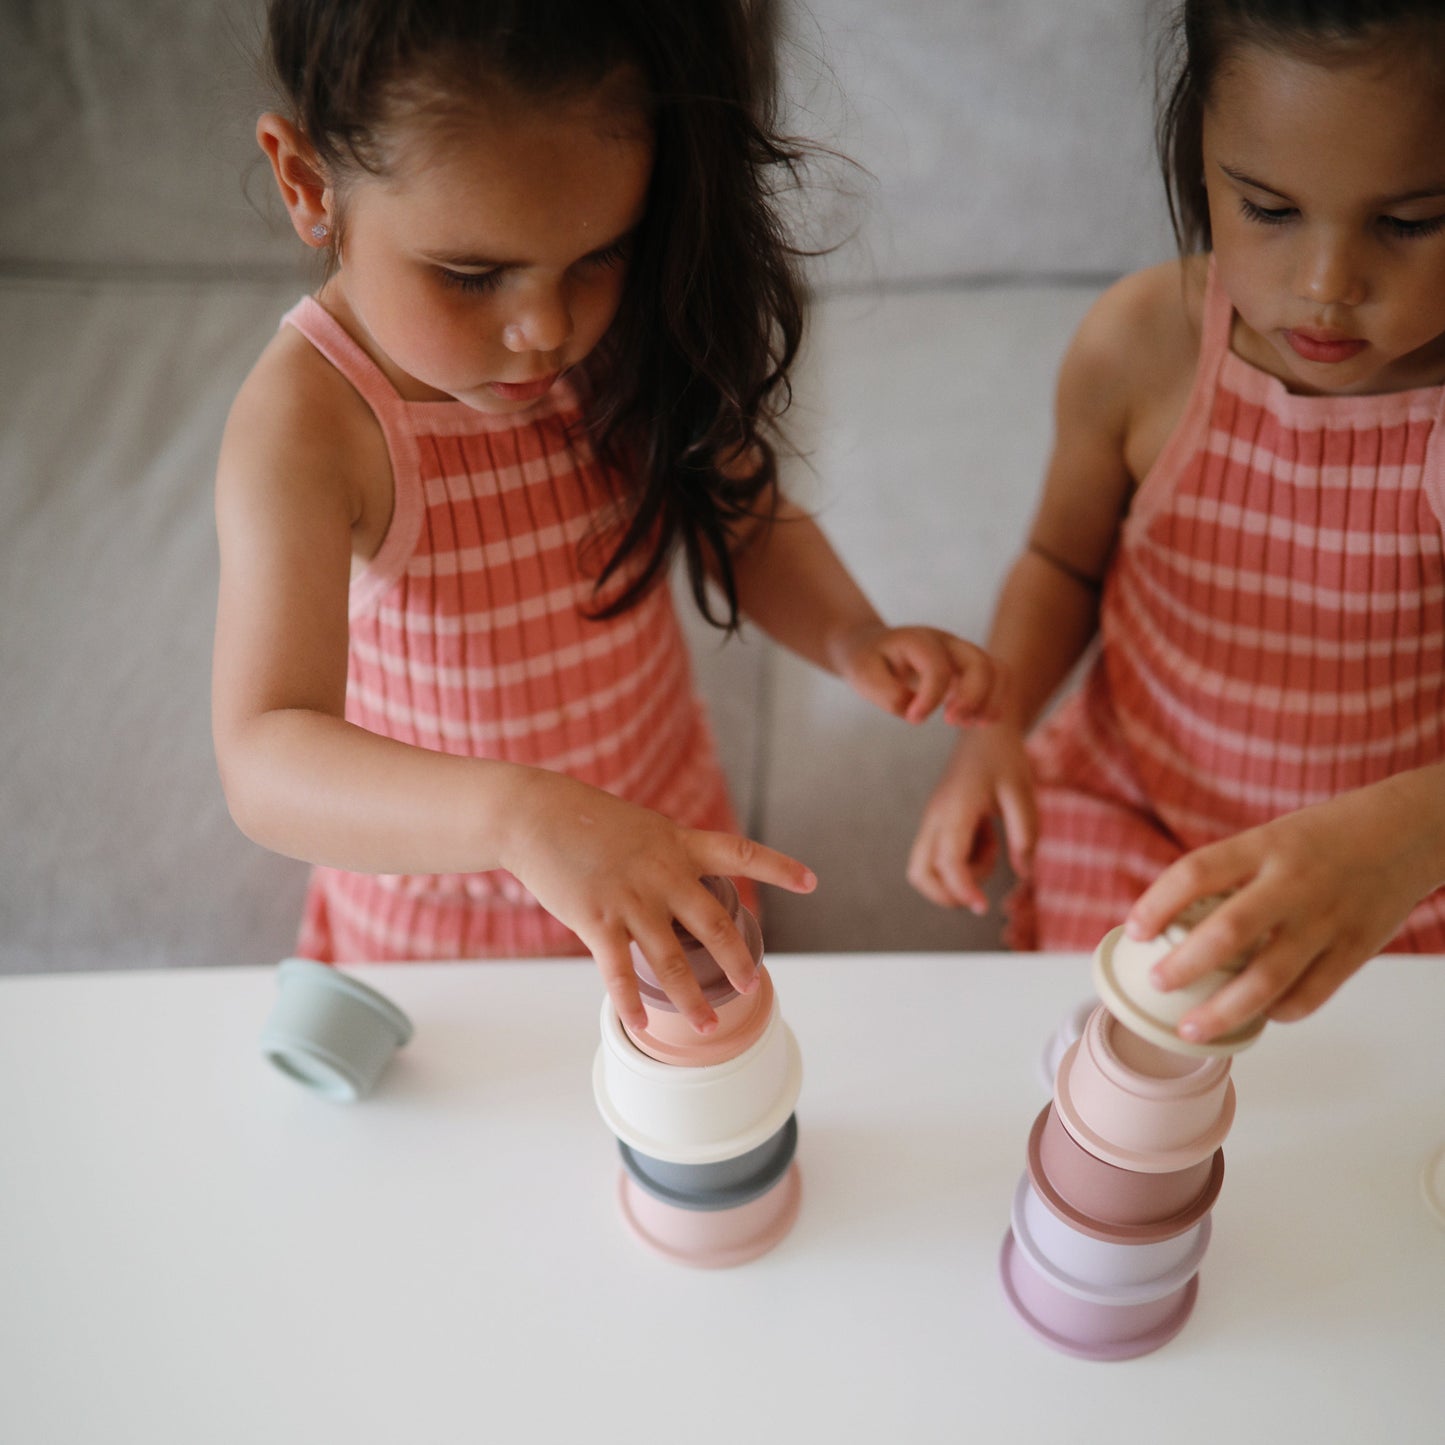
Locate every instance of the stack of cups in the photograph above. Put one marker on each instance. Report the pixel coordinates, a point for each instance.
(704, 1122)
(1111, 1217)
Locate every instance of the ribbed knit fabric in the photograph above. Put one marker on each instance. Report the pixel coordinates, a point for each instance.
(1273, 633)
(468, 635)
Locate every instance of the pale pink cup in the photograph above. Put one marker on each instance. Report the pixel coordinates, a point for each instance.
(711, 1238)
(741, 1019)
(1138, 1106)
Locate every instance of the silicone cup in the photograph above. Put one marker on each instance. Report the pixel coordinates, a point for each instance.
(723, 1185)
(1157, 1121)
(331, 1032)
(1123, 1204)
(711, 1239)
(705, 968)
(699, 1115)
(741, 1019)
(1130, 1271)
(1091, 1327)
(1121, 976)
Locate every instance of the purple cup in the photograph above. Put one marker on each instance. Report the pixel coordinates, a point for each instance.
(1092, 1325)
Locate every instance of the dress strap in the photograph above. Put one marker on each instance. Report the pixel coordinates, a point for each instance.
(333, 341)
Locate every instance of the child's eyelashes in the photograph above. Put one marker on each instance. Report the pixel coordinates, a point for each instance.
(482, 282)
(1392, 225)
(1264, 215)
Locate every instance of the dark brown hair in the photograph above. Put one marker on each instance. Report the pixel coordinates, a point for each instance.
(693, 373)
(1207, 33)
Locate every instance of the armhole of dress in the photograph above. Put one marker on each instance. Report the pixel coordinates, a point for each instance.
(1216, 319)
(331, 339)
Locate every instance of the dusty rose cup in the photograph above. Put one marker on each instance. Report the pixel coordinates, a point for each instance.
(1138, 1106)
(1120, 1203)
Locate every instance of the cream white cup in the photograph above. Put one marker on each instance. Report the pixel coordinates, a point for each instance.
(701, 1114)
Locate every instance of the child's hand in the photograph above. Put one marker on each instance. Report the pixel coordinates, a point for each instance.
(957, 847)
(1317, 893)
(616, 873)
(909, 671)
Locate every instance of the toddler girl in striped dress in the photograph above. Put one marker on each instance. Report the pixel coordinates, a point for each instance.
(556, 325)
(1244, 511)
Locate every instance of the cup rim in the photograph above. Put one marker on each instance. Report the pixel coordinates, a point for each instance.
(1150, 1232)
(1138, 1020)
(308, 973)
(697, 1055)
(1150, 1161)
(726, 1198)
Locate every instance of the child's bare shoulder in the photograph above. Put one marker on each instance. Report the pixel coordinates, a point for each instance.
(1145, 322)
(297, 422)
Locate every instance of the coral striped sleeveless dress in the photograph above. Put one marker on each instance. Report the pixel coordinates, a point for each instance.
(468, 636)
(1273, 633)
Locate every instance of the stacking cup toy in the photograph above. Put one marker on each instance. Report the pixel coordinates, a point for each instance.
(721, 1185)
(1121, 976)
(1140, 1107)
(704, 1122)
(1094, 1324)
(711, 1238)
(331, 1032)
(1069, 1029)
(1128, 1267)
(1093, 1195)
(697, 1115)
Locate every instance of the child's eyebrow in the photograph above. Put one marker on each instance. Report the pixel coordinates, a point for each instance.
(1420, 193)
(474, 262)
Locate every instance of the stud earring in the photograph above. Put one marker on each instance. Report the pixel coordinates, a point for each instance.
(320, 230)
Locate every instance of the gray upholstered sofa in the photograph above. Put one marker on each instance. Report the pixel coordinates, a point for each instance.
(142, 269)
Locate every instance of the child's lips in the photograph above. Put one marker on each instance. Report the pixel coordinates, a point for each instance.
(525, 390)
(1324, 346)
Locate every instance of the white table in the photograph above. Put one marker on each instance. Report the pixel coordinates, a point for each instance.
(195, 1250)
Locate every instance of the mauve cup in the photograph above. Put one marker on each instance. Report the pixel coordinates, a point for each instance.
(723, 1185)
(1119, 1203)
(699, 1115)
(710, 1238)
(705, 968)
(331, 1032)
(1121, 976)
(1140, 1107)
(1131, 1270)
(1094, 1325)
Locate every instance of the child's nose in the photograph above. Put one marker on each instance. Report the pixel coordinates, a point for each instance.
(1330, 273)
(541, 322)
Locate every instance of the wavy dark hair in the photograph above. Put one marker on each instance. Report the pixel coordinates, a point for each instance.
(692, 376)
(1206, 33)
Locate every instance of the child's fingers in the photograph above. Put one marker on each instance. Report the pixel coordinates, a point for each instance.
(613, 956)
(663, 951)
(734, 856)
(975, 693)
(1020, 824)
(1196, 875)
(711, 924)
(1269, 976)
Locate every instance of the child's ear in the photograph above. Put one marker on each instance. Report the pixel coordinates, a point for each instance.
(299, 177)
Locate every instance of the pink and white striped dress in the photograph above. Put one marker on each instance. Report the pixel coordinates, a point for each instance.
(468, 635)
(1273, 633)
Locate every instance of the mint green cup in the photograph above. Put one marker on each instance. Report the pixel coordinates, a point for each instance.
(331, 1032)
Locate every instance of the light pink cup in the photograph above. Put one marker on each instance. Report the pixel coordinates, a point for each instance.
(1140, 1107)
(741, 1019)
(1121, 1204)
(1094, 1325)
(711, 1238)
(1131, 1271)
